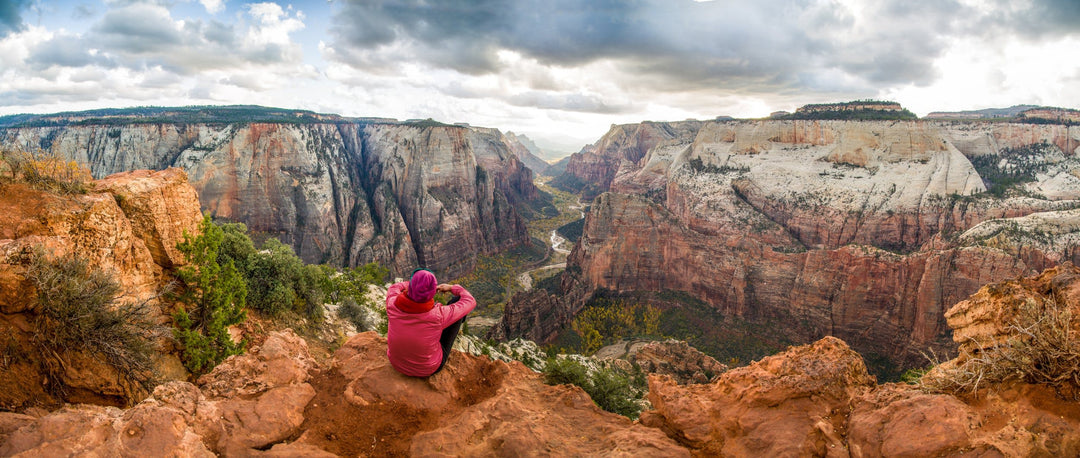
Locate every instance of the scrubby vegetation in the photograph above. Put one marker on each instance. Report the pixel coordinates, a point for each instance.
(1044, 348)
(858, 110)
(729, 339)
(349, 289)
(1012, 167)
(229, 274)
(44, 170)
(698, 166)
(78, 310)
(609, 388)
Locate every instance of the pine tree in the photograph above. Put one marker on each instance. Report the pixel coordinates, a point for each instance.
(216, 295)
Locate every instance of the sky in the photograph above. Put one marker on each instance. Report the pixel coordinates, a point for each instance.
(559, 71)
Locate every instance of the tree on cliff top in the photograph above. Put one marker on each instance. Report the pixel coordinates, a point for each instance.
(217, 296)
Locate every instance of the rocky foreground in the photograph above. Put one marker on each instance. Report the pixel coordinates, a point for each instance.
(812, 400)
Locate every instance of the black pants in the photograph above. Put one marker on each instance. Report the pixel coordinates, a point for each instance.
(449, 335)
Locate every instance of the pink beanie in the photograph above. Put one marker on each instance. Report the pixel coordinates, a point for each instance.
(422, 286)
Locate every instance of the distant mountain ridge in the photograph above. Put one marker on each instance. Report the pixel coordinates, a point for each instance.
(985, 113)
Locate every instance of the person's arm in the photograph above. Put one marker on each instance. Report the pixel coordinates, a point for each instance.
(394, 290)
(465, 304)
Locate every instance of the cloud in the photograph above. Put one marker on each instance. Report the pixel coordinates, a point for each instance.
(667, 45)
(65, 50)
(140, 29)
(138, 50)
(11, 16)
(1033, 19)
(213, 6)
(566, 101)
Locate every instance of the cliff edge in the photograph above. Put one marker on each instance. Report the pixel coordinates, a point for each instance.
(811, 400)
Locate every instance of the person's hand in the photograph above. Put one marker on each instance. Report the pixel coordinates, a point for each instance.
(444, 288)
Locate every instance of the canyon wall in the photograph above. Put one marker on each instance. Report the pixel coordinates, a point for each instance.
(344, 193)
(865, 230)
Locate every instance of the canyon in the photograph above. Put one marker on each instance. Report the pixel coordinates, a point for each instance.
(339, 190)
(863, 230)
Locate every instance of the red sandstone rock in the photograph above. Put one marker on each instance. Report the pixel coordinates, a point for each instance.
(159, 206)
(985, 319)
(789, 404)
(482, 407)
(897, 420)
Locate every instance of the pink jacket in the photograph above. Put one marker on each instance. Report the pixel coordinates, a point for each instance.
(412, 339)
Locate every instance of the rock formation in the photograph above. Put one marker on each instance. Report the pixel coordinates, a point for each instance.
(527, 152)
(128, 228)
(863, 230)
(339, 191)
(811, 400)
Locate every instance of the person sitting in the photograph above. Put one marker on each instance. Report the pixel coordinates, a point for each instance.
(420, 331)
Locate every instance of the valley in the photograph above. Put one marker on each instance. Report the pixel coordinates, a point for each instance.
(865, 230)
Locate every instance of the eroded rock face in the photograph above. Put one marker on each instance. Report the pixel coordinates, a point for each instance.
(989, 317)
(817, 400)
(159, 206)
(867, 231)
(340, 193)
(790, 403)
(112, 228)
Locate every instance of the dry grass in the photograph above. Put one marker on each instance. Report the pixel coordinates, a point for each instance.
(44, 170)
(1043, 348)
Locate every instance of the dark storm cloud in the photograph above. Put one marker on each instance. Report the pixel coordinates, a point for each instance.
(11, 16)
(668, 44)
(1036, 19)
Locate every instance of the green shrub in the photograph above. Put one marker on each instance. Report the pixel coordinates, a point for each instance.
(216, 295)
(612, 392)
(565, 371)
(608, 388)
(77, 309)
(353, 313)
(236, 246)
